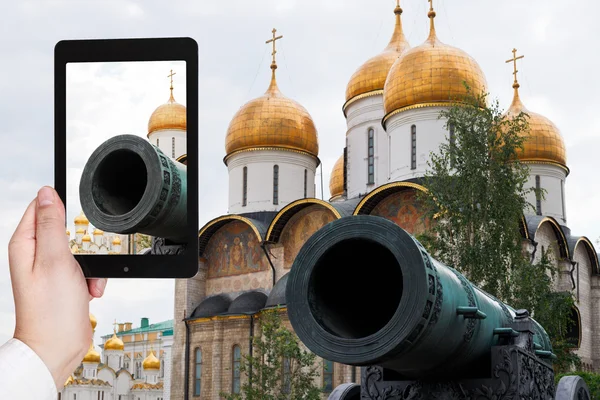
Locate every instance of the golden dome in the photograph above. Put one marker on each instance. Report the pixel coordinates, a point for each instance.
(116, 240)
(93, 321)
(81, 220)
(80, 231)
(272, 120)
(98, 232)
(336, 182)
(151, 362)
(371, 76)
(68, 232)
(544, 142)
(430, 74)
(170, 115)
(92, 355)
(86, 238)
(114, 343)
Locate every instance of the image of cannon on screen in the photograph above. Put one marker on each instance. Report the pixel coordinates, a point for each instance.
(126, 156)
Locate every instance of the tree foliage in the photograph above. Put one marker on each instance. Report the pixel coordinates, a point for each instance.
(279, 368)
(142, 242)
(477, 194)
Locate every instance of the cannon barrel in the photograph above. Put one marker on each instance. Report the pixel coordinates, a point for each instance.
(129, 186)
(362, 291)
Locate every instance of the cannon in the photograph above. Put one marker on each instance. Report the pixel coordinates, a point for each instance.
(364, 292)
(129, 186)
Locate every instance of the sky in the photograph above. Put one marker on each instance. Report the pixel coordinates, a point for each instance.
(323, 44)
(110, 99)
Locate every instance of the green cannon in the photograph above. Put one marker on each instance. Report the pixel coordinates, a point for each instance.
(364, 292)
(129, 186)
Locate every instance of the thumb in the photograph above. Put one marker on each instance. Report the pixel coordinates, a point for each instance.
(50, 226)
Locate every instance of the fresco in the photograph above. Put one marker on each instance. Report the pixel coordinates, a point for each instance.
(234, 250)
(299, 228)
(403, 209)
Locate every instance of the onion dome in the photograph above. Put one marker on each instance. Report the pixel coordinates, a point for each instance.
(369, 78)
(93, 321)
(114, 343)
(92, 356)
(544, 142)
(272, 121)
(336, 182)
(86, 238)
(151, 362)
(431, 74)
(81, 220)
(171, 115)
(98, 232)
(68, 232)
(116, 240)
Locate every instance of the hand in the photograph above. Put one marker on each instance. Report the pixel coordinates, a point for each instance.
(51, 294)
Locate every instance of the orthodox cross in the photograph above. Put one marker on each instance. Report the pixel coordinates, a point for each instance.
(430, 5)
(514, 61)
(274, 31)
(115, 326)
(397, 3)
(171, 76)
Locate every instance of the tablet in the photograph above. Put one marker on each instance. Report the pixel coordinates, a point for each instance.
(126, 155)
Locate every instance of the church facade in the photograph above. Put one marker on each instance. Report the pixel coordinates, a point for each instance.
(392, 106)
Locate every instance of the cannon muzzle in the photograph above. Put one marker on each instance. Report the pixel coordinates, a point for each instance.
(129, 186)
(362, 291)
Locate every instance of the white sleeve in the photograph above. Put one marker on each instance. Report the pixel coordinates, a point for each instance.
(23, 374)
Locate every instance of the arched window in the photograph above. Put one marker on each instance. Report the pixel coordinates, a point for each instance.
(305, 183)
(236, 362)
(276, 184)
(173, 147)
(245, 188)
(371, 156)
(538, 195)
(574, 329)
(198, 372)
(413, 147)
(287, 375)
(327, 376)
(162, 368)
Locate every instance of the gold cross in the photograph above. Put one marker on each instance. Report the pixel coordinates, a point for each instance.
(430, 5)
(514, 60)
(274, 31)
(397, 3)
(115, 326)
(171, 76)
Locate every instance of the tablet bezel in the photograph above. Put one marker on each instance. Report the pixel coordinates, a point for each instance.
(124, 50)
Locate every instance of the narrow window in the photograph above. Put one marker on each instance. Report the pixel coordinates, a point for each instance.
(345, 169)
(305, 183)
(327, 376)
(371, 155)
(538, 195)
(198, 372)
(276, 184)
(237, 358)
(562, 196)
(287, 375)
(173, 148)
(452, 145)
(413, 151)
(157, 142)
(59, 396)
(162, 368)
(245, 188)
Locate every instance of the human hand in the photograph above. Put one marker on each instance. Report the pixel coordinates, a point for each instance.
(50, 291)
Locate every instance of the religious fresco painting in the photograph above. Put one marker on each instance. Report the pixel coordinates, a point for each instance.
(300, 227)
(403, 209)
(234, 250)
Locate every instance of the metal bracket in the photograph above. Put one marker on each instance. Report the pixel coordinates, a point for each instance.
(470, 312)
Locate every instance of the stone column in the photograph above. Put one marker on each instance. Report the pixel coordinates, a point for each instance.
(217, 359)
(594, 302)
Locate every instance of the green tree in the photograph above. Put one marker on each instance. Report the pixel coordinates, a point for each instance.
(476, 195)
(142, 242)
(279, 367)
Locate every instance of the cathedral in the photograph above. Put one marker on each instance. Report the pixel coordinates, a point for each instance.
(392, 105)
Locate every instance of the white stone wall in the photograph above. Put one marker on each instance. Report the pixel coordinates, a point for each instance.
(582, 275)
(259, 186)
(551, 178)
(167, 344)
(164, 140)
(361, 116)
(431, 132)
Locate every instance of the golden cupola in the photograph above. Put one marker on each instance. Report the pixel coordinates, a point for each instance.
(114, 343)
(431, 74)
(86, 238)
(544, 142)
(272, 121)
(92, 356)
(151, 362)
(116, 241)
(336, 182)
(81, 219)
(93, 321)
(369, 78)
(171, 115)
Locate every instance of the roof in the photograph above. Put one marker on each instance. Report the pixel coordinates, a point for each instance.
(158, 327)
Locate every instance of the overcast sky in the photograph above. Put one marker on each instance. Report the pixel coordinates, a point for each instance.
(110, 99)
(324, 42)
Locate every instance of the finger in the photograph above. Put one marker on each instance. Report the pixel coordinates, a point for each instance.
(96, 287)
(50, 225)
(21, 248)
